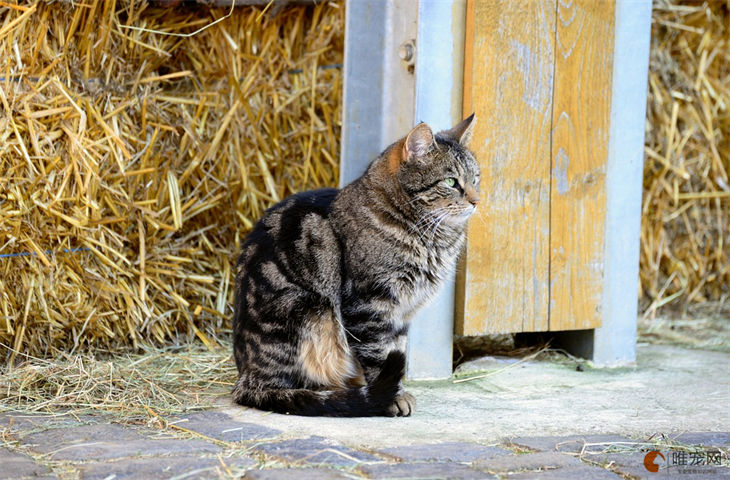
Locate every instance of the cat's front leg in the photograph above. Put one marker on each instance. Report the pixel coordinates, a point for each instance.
(404, 403)
(371, 351)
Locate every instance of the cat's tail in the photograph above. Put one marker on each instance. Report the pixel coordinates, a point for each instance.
(372, 400)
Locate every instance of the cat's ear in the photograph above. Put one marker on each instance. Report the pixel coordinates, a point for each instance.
(419, 141)
(462, 131)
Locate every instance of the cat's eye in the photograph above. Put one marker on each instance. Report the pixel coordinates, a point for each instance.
(451, 182)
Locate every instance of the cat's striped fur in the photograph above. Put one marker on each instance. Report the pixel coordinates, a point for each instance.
(328, 280)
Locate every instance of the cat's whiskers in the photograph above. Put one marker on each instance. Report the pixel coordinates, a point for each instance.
(436, 227)
(479, 216)
(427, 219)
(433, 227)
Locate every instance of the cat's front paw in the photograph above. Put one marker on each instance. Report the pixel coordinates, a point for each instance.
(404, 405)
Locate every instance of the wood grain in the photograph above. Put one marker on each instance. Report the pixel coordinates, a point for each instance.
(581, 115)
(502, 285)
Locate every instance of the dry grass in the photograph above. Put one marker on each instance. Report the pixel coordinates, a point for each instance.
(685, 250)
(131, 387)
(704, 326)
(133, 163)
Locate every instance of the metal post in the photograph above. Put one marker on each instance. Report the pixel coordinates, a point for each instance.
(379, 89)
(439, 95)
(384, 98)
(615, 341)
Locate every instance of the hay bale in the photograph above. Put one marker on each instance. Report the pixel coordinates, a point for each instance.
(133, 163)
(685, 250)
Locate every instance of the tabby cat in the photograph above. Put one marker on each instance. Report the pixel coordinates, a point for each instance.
(329, 279)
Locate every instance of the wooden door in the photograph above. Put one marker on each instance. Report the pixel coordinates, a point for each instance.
(538, 75)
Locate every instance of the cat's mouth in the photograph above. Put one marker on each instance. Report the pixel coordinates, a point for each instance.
(468, 210)
(462, 214)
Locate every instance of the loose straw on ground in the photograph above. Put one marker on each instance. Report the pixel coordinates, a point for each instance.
(165, 381)
(498, 371)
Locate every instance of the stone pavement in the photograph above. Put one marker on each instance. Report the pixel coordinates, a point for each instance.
(540, 420)
(211, 445)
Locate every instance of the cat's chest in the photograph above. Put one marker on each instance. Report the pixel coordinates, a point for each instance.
(407, 276)
(419, 280)
(412, 296)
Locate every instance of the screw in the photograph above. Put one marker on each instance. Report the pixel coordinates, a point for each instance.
(406, 51)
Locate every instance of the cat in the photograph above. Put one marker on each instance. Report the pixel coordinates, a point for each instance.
(328, 280)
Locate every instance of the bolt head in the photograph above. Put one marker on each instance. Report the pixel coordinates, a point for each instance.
(406, 51)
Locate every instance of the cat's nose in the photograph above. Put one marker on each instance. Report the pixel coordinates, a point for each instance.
(472, 195)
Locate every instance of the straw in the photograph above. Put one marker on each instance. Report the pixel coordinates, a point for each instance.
(132, 164)
(167, 381)
(685, 234)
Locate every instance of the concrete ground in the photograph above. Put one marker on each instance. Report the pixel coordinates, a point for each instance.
(541, 419)
(672, 390)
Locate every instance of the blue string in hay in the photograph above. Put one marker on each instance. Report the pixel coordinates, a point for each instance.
(28, 254)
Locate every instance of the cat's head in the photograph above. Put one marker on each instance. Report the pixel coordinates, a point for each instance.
(438, 173)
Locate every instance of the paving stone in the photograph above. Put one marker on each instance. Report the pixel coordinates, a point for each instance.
(627, 463)
(17, 465)
(445, 471)
(133, 448)
(294, 474)
(445, 452)
(572, 443)
(707, 439)
(528, 461)
(23, 423)
(158, 468)
(17, 422)
(220, 426)
(316, 450)
(50, 440)
(570, 473)
(106, 441)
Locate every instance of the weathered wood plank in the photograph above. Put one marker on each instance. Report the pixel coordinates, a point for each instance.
(581, 122)
(502, 284)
